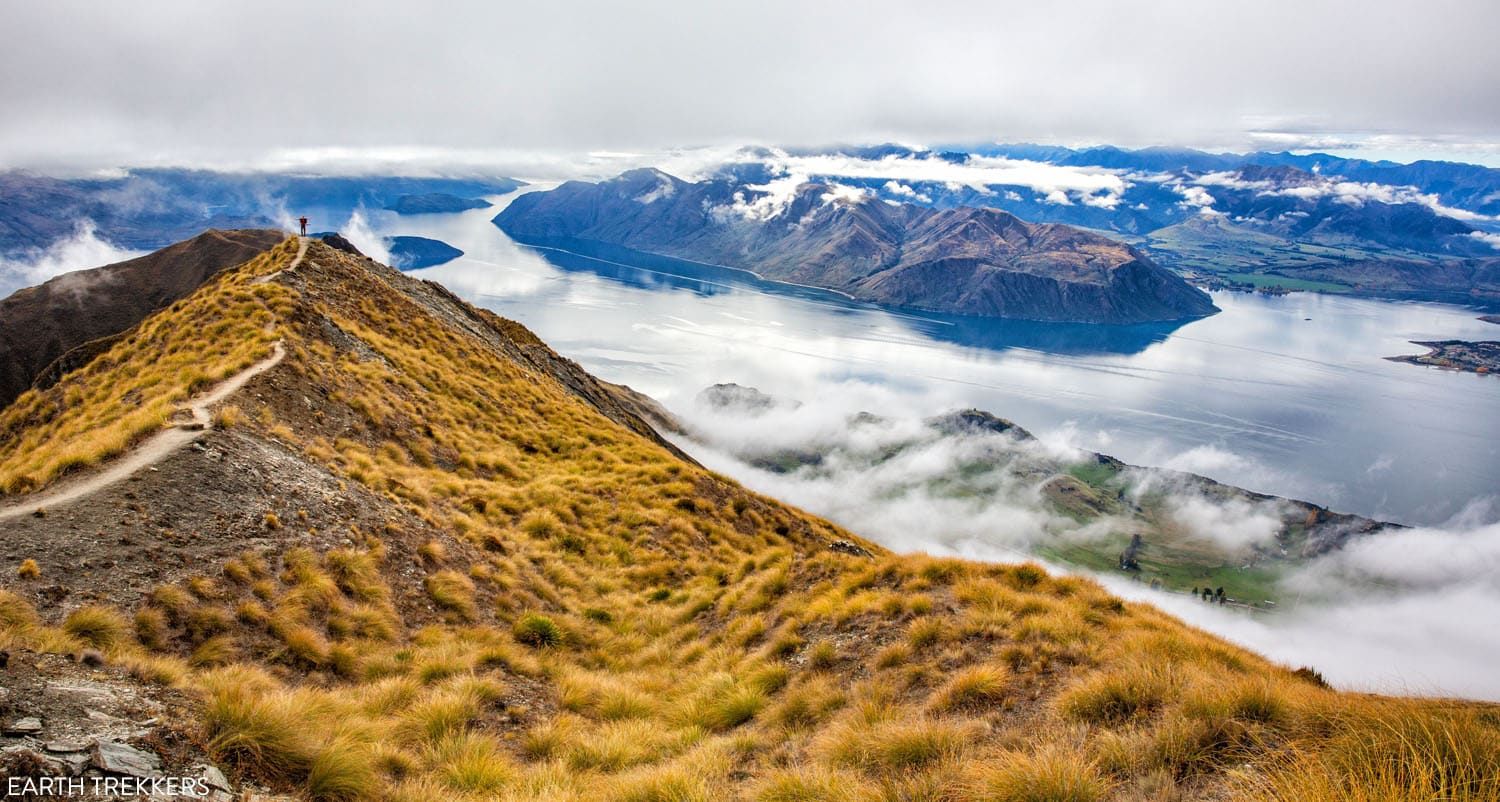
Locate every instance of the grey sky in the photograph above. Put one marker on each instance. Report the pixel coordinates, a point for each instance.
(92, 84)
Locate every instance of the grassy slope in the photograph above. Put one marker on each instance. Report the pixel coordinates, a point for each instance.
(129, 391)
(603, 620)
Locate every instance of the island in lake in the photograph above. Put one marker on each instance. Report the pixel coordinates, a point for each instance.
(435, 203)
(415, 253)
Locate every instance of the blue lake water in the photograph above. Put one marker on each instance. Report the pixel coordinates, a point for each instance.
(1286, 395)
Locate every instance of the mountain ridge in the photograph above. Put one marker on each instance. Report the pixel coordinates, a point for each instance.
(423, 556)
(85, 308)
(972, 261)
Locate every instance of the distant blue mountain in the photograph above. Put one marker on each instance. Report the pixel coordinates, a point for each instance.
(151, 208)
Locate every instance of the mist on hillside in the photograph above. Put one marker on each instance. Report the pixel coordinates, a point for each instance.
(82, 250)
(1393, 612)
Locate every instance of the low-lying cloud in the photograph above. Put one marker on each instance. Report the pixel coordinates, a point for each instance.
(81, 250)
(358, 231)
(1056, 183)
(1397, 612)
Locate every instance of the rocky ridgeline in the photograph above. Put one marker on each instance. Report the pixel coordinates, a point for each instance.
(82, 730)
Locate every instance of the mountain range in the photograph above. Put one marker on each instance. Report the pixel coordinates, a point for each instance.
(1423, 230)
(150, 208)
(969, 261)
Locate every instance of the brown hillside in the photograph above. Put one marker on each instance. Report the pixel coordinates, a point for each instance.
(424, 557)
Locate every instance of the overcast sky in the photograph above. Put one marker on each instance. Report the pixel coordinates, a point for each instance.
(89, 84)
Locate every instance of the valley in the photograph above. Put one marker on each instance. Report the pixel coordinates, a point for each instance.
(1171, 530)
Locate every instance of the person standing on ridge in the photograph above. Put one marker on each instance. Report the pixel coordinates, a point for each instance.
(303, 221)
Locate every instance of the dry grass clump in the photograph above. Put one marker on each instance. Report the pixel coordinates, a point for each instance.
(1118, 695)
(17, 616)
(99, 626)
(228, 416)
(452, 591)
(261, 728)
(341, 771)
(151, 627)
(971, 689)
(726, 704)
(813, 784)
(1389, 750)
(537, 631)
(894, 746)
(28, 569)
(623, 744)
(471, 762)
(807, 704)
(216, 651)
(1046, 774)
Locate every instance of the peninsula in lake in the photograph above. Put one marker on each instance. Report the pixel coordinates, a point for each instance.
(967, 260)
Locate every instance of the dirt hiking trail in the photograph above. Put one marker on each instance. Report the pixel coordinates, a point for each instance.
(184, 429)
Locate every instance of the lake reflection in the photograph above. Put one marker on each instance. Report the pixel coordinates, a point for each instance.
(1287, 395)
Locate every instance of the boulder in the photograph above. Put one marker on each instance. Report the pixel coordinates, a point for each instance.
(118, 758)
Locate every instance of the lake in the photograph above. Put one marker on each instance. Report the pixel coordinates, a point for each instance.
(1286, 395)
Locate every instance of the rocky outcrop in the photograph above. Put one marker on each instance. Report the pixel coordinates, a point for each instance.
(969, 261)
(68, 729)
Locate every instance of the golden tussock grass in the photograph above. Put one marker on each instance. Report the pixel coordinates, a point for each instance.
(128, 392)
(101, 627)
(561, 609)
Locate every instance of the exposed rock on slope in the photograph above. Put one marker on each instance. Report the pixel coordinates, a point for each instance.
(98, 728)
(971, 261)
(44, 323)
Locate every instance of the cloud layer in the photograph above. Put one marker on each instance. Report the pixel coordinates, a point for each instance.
(84, 249)
(291, 81)
(1401, 612)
